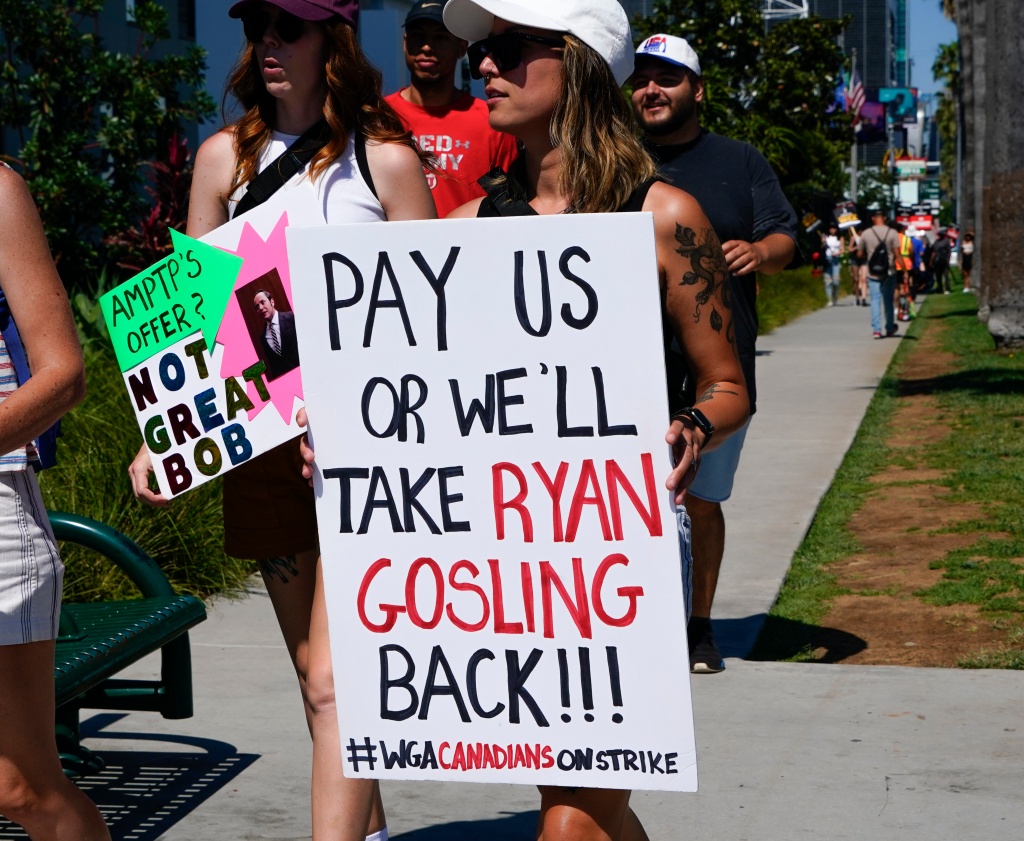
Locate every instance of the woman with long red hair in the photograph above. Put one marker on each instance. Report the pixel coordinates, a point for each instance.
(303, 74)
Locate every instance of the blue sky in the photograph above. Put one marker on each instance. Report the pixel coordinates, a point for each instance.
(928, 29)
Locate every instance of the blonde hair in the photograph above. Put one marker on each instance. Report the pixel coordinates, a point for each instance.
(603, 160)
(353, 101)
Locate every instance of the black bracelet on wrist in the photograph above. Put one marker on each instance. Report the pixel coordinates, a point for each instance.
(700, 421)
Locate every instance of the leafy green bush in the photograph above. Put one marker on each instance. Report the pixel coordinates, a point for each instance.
(788, 295)
(100, 438)
(89, 118)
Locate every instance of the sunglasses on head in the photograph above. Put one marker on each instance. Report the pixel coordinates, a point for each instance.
(505, 50)
(288, 27)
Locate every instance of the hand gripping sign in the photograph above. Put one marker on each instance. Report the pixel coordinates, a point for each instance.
(206, 342)
(501, 558)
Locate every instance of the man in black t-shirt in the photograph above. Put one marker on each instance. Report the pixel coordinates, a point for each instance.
(757, 227)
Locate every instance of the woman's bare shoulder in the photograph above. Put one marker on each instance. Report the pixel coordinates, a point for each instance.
(398, 177)
(15, 199)
(670, 203)
(218, 150)
(468, 210)
(392, 156)
(11, 184)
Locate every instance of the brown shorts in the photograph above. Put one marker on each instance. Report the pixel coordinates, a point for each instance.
(269, 508)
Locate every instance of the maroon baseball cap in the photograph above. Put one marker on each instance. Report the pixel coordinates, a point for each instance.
(347, 10)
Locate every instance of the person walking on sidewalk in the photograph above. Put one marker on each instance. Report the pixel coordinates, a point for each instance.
(833, 246)
(302, 67)
(858, 267)
(33, 789)
(742, 198)
(553, 71)
(447, 122)
(967, 259)
(882, 248)
(942, 248)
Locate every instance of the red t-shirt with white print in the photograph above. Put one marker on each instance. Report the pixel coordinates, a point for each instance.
(463, 144)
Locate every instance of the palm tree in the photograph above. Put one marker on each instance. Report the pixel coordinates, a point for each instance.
(947, 69)
(961, 12)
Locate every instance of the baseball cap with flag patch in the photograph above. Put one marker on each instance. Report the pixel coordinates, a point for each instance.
(672, 49)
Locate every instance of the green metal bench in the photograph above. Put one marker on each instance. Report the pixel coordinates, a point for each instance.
(98, 640)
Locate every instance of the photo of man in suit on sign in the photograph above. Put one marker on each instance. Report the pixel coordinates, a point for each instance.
(280, 350)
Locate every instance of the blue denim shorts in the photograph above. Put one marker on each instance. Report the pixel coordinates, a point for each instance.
(714, 479)
(685, 556)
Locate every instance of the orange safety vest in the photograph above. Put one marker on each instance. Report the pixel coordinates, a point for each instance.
(904, 263)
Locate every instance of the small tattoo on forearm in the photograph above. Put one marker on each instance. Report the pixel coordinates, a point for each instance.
(712, 390)
(281, 568)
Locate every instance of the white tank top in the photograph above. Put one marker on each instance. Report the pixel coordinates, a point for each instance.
(342, 190)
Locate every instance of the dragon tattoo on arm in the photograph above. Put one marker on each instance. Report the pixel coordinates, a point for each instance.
(707, 267)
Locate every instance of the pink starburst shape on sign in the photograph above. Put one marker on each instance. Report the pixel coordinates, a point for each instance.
(259, 257)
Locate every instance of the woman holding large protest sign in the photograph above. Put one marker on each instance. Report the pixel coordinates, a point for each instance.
(553, 69)
(307, 89)
(33, 789)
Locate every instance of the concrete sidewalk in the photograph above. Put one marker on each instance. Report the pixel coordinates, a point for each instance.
(784, 751)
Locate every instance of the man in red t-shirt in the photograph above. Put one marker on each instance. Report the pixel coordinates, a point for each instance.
(445, 121)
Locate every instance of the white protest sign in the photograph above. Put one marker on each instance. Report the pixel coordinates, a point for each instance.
(203, 411)
(488, 405)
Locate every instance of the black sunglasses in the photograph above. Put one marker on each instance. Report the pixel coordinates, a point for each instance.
(288, 27)
(505, 50)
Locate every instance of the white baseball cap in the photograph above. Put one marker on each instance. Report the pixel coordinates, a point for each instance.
(672, 49)
(600, 24)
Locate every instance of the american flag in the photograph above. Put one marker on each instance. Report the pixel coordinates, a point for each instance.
(855, 96)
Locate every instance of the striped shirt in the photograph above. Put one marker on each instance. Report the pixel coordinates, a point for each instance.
(20, 458)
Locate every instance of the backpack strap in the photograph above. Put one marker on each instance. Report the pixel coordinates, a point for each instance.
(283, 168)
(364, 164)
(505, 193)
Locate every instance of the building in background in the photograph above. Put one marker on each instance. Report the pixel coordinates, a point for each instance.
(879, 33)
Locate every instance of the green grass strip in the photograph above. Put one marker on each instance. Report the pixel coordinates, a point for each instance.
(982, 401)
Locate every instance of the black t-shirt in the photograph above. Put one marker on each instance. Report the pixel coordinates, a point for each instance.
(741, 197)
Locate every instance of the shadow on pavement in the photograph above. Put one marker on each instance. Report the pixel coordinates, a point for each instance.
(783, 639)
(142, 794)
(735, 637)
(763, 637)
(520, 826)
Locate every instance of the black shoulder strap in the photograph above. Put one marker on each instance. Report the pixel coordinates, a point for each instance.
(876, 237)
(289, 163)
(364, 164)
(635, 202)
(505, 194)
(506, 197)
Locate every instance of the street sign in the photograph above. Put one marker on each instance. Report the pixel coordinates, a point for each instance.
(911, 168)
